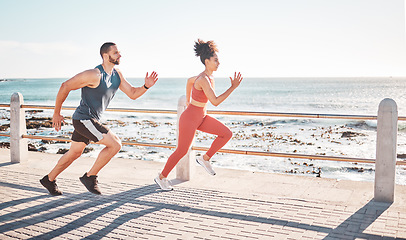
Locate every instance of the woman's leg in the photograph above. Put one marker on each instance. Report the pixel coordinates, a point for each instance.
(214, 126)
(188, 123)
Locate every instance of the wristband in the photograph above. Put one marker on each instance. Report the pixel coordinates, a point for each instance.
(146, 87)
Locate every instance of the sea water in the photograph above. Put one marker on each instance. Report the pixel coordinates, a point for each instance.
(349, 96)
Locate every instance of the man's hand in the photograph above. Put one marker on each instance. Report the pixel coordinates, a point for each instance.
(151, 80)
(57, 120)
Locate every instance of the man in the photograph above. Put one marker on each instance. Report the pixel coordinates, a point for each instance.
(98, 87)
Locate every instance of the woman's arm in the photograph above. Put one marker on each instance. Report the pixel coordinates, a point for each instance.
(189, 86)
(204, 83)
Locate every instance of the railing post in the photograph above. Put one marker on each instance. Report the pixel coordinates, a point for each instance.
(185, 167)
(385, 166)
(18, 145)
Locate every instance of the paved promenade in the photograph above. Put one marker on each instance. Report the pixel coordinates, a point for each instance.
(232, 205)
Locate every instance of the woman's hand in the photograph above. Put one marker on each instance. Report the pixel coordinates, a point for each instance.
(235, 82)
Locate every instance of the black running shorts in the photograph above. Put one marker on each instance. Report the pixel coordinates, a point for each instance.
(88, 130)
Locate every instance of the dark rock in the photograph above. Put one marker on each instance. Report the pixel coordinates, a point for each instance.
(88, 149)
(403, 155)
(318, 173)
(255, 135)
(349, 134)
(37, 124)
(62, 151)
(39, 119)
(34, 111)
(4, 145)
(150, 123)
(42, 149)
(32, 147)
(360, 169)
(4, 127)
(65, 150)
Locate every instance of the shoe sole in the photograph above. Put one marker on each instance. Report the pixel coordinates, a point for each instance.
(205, 168)
(90, 190)
(160, 186)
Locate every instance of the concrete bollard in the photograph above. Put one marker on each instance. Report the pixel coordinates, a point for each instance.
(186, 166)
(385, 166)
(18, 145)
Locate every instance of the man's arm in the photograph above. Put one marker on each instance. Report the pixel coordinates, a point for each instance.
(89, 78)
(136, 92)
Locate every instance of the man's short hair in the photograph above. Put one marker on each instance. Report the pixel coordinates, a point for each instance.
(106, 47)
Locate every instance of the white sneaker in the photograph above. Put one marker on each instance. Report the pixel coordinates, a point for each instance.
(163, 183)
(206, 165)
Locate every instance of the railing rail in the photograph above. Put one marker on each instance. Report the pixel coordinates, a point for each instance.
(239, 113)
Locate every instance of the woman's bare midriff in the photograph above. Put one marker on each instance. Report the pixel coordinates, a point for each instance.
(197, 103)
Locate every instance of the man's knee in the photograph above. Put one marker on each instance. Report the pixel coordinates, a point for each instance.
(117, 145)
(114, 144)
(73, 154)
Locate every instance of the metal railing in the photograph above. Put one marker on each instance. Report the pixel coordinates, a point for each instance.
(231, 151)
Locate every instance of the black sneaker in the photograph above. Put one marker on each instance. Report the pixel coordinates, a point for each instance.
(90, 183)
(50, 186)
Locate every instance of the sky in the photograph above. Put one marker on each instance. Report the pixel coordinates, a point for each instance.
(269, 38)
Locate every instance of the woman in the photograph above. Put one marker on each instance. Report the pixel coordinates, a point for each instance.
(201, 89)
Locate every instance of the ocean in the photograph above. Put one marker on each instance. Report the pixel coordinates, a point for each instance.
(355, 96)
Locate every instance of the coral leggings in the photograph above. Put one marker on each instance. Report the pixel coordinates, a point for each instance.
(192, 119)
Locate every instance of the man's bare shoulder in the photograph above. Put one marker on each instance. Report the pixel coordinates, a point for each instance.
(89, 78)
(118, 70)
(90, 73)
(120, 74)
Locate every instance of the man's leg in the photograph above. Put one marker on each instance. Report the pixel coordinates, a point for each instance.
(113, 146)
(49, 181)
(67, 159)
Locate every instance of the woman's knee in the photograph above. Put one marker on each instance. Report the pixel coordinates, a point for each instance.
(228, 134)
(181, 152)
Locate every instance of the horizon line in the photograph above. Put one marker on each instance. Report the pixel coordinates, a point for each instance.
(389, 76)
